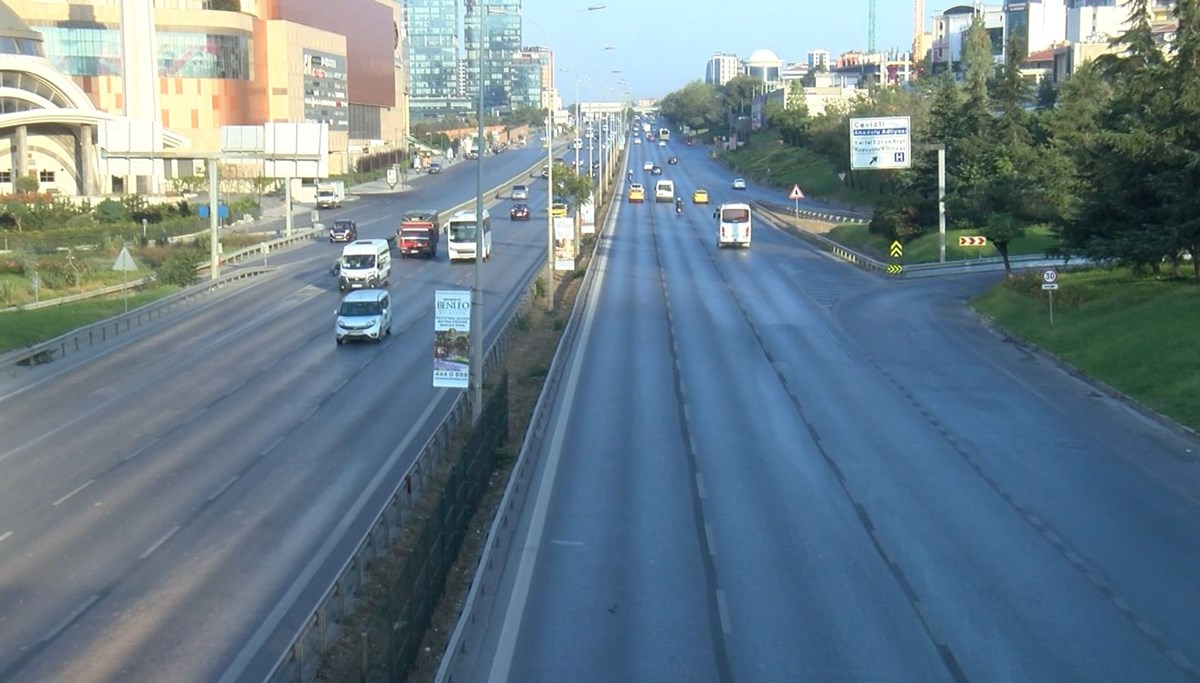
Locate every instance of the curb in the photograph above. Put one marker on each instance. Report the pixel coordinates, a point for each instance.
(1099, 385)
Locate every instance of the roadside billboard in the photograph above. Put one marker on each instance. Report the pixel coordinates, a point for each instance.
(587, 217)
(452, 338)
(564, 243)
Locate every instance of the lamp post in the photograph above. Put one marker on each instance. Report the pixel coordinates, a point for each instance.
(476, 350)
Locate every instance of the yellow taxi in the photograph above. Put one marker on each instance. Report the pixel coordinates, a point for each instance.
(558, 210)
(637, 193)
(700, 197)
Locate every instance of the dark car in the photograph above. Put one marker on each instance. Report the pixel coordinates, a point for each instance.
(343, 231)
(657, 170)
(673, 160)
(519, 212)
(435, 168)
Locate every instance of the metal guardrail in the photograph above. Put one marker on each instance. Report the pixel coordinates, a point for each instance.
(321, 625)
(499, 538)
(917, 270)
(111, 289)
(832, 215)
(84, 337)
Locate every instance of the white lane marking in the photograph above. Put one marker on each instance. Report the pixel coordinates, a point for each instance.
(255, 643)
(141, 450)
(5, 535)
(165, 537)
(69, 618)
(77, 490)
(710, 539)
(700, 485)
(723, 611)
(278, 440)
(515, 612)
(217, 494)
(557, 541)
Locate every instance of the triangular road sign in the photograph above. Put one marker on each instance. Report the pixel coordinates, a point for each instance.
(795, 193)
(125, 261)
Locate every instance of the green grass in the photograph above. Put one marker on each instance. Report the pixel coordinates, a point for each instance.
(19, 329)
(790, 165)
(1137, 335)
(924, 249)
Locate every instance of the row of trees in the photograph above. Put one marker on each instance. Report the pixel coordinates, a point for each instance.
(1111, 161)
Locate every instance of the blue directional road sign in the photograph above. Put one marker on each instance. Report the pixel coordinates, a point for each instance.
(222, 211)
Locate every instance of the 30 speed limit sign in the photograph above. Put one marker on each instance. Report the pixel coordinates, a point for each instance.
(1049, 279)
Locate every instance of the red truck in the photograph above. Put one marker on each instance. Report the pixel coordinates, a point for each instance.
(418, 234)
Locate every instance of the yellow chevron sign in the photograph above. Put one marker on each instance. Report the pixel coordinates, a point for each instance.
(895, 269)
(897, 249)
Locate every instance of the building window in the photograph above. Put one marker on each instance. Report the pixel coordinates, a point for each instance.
(5, 176)
(45, 176)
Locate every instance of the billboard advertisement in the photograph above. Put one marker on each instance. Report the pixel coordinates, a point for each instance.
(564, 243)
(452, 338)
(587, 217)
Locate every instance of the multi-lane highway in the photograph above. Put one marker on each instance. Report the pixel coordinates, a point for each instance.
(766, 465)
(172, 505)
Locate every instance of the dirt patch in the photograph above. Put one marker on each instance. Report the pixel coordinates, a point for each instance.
(527, 362)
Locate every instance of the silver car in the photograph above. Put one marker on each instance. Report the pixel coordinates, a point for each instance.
(520, 192)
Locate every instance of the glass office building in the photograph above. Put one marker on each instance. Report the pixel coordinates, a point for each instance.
(432, 48)
(501, 40)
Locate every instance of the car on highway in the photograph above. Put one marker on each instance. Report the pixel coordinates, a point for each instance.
(519, 212)
(364, 314)
(520, 192)
(662, 143)
(648, 166)
(672, 160)
(700, 196)
(434, 168)
(545, 170)
(637, 140)
(637, 193)
(656, 170)
(559, 208)
(739, 183)
(343, 231)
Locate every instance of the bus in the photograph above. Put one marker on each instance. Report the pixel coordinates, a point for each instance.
(664, 134)
(733, 225)
(460, 236)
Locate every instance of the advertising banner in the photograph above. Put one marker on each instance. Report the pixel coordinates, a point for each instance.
(564, 243)
(452, 338)
(587, 217)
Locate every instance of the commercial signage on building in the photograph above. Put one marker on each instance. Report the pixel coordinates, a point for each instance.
(325, 90)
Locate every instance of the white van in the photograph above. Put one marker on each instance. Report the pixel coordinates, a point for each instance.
(664, 191)
(733, 225)
(364, 314)
(365, 264)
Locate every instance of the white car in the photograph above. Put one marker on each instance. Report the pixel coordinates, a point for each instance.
(637, 140)
(662, 143)
(739, 183)
(648, 166)
(364, 314)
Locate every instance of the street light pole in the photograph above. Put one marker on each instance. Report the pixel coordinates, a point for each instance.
(550, 210)
(476, 339)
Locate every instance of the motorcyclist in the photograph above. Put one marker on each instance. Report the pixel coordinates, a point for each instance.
(678, 205)
(629, 175)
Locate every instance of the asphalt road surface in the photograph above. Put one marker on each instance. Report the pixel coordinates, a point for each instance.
(172, 505)
(767, 465)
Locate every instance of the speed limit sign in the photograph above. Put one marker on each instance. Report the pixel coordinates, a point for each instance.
(1049, 276)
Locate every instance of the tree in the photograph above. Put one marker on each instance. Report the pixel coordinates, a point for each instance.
(695, 105)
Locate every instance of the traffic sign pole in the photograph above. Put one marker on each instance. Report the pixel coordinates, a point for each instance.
(1049, 284)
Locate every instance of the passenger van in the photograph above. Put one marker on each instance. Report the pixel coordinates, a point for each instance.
(365, 264)
(664, 191)
(460, 236)
(364, 314)
(733, 225)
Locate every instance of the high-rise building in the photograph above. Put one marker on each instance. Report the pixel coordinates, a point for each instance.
(818, 60)
(432, 29)
(533, 78)
(499, 41)
(722, 67)
(1034, 25)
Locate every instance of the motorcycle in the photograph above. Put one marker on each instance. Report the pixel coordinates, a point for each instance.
(678, 207)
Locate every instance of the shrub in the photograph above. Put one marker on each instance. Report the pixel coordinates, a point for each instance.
(179, 269)
(111, 211)
(25, 183)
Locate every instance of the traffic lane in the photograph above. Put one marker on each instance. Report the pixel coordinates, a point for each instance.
(618, 590)
(1115, 493)
(951, 536)
(806, 587)
(321, 335)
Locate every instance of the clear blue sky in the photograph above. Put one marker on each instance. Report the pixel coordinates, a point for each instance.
(661, 45)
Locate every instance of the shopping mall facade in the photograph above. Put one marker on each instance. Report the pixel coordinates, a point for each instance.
(81, 79)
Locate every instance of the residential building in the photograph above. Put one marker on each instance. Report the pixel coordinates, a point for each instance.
(793, 72)
(819, 60)
(721, 68)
